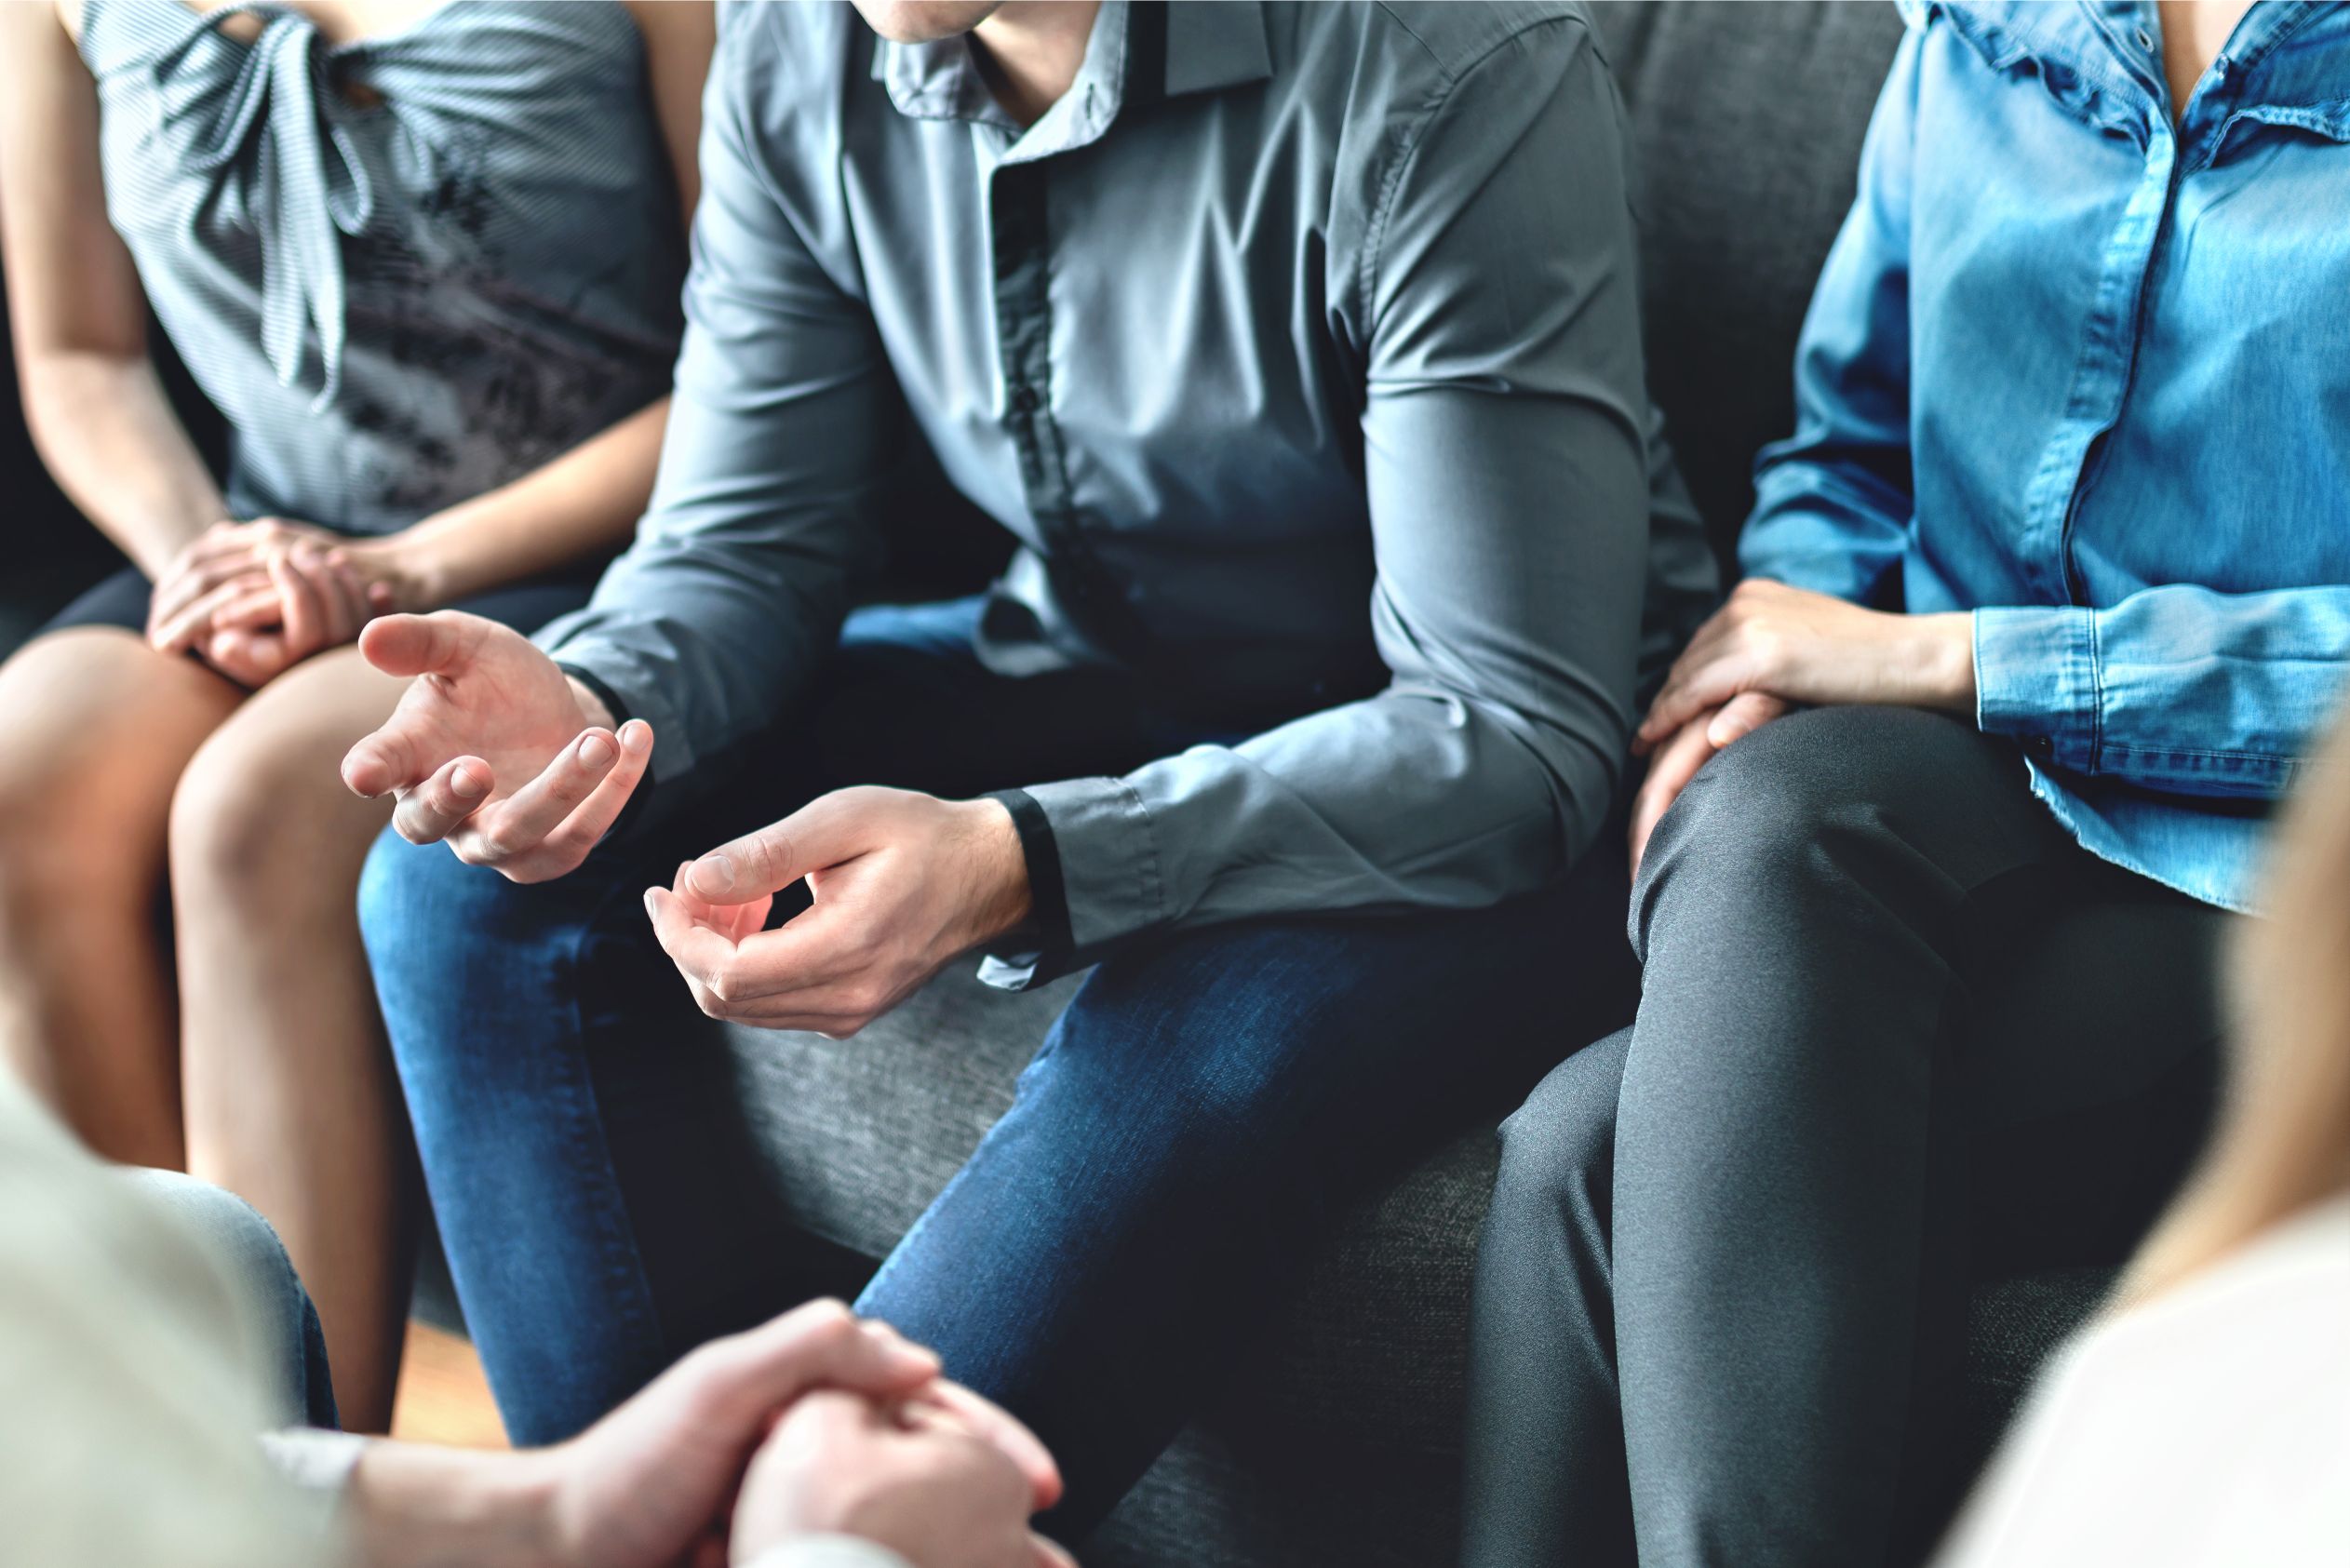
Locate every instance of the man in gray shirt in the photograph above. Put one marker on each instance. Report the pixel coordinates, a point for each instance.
(1297, 349)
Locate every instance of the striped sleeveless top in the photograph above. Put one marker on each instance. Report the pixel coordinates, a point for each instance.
(408, 269)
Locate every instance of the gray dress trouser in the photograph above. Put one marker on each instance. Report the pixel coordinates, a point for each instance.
(1898, 1033)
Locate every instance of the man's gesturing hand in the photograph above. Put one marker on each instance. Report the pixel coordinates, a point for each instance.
(902, 883)
(492, 747)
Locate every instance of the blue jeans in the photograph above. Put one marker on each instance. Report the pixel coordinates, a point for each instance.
(1204, 1103)
(247, 1249)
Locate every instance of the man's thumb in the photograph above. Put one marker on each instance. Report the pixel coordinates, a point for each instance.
(414, 645)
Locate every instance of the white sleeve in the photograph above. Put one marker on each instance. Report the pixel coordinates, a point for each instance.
(829, 1552)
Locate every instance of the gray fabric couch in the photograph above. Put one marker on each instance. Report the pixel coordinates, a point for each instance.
(1337, 1443)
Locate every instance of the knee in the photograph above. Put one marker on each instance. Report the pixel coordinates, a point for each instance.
(421, 909)
(1216, 1036)
(1782, 805)
(451, 945)
(245, 1250)
(50, 841)
(1558, 1150)
(249, 825)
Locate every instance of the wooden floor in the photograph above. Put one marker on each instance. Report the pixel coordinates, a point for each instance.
(443, 1396)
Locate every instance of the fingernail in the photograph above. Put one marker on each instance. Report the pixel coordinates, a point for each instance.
(636, 734)
(466, 782)
(595, 751)
(715, 871)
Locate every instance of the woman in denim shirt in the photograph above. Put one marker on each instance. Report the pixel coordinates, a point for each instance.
(426, 260)
(2046, 597)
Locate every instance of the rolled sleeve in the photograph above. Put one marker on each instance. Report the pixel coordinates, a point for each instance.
(2035, 680)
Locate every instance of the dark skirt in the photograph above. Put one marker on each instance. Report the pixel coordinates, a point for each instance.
(121, 600)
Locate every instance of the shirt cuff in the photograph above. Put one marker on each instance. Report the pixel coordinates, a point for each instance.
(828, 1551)
(621, 678)
(604, 694)
(2035, 681)
(315, 1460)
(1038, 950)
(1105, 851)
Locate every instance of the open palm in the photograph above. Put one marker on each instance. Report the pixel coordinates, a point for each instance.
(492, 747)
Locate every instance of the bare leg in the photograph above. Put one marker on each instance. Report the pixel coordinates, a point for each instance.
(99, 728)
(290, 1099)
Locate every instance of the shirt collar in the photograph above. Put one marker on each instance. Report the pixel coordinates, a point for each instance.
(1206, 48)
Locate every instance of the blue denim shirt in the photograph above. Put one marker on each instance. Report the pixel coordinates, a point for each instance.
(2084, 370)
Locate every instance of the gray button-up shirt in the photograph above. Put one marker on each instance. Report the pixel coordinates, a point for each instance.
(1291, 342)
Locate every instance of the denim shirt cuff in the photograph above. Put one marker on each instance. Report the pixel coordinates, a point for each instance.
(2035, 681)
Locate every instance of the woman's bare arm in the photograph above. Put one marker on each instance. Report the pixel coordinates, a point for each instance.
(96, 408)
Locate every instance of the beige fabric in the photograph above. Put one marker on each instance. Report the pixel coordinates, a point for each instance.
(130, 1371)
(2209, 1429)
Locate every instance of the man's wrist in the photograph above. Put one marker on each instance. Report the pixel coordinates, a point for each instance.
(593, 706)
(410, 1505)
(1005, 899)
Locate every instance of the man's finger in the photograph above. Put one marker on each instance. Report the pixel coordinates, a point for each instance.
(570, 842)
(413, 645)
(520, 823)
(383, 761)
(820, 834)
(699, 952)
(1049, 1554)
(428, 815)
(735, 921)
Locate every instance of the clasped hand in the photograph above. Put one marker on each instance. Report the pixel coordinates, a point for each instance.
(816, 1423)
(252, 599)
(1770, 649)
(496, 752)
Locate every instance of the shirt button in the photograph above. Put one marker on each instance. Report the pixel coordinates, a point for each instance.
(2040, 746)
(1024, 398)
